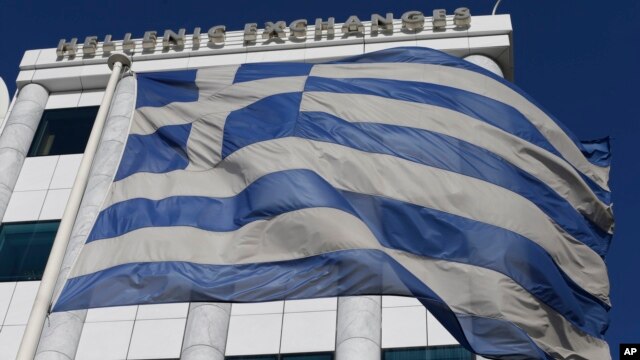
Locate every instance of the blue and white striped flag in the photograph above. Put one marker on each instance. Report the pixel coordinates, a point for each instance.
(402, 172)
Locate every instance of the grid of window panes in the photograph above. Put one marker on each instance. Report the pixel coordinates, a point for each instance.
(63, 131)
(311, 356)
(25, 248)
(453, 352)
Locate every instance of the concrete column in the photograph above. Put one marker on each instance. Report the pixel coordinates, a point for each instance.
(205, 336)
(359, 328)
(485, 62)
(16, 137)
(61, 333)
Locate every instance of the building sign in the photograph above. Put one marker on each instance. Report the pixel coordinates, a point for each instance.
(412, 22)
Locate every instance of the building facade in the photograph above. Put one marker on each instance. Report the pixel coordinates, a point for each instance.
(42, 139)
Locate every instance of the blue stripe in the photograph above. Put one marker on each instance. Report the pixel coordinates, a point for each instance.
(395, 224)
(162, 88)
(476, 106)
(449, 153)
(268, 118)
(342, 273)
(247, 126)
(162, 151)
(259, 71)
(420, 55)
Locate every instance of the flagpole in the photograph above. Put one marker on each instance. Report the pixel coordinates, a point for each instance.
(40, 308)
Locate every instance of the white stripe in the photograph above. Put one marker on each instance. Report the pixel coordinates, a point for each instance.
(227, 99)
(299, 234)
(477, 83)
(381, 175)
(540, 163)
(204, 147)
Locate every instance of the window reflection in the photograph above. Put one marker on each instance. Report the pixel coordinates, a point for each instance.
(63, 131)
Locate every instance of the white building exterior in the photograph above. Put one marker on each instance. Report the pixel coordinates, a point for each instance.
(160, 331)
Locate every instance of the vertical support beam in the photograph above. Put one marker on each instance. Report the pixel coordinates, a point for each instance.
(205, 337)
(486, 63)
(359, 328)
(16, 137)
(61, 333)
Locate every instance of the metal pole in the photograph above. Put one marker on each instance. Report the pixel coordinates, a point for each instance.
(40, 308)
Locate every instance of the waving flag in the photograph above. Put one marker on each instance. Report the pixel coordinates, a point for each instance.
(402, 172)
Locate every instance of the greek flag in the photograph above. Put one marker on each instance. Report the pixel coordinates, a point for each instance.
(401, 172)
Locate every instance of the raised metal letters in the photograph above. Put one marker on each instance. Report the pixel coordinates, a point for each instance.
(413, 21)
(378, 23)
(298, 28)
(108, 45)
(195, 39)
(217, 35)
(353, 26)
(276, 30)
(90, 45)
(439, 19)
(325, 25)
(149, 40)
(67, 47)
(172, 38)
(462, 17)
(128, 44)
(250, 32)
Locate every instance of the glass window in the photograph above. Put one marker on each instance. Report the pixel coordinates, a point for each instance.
(63, 131)
(327, 356)
(454, 352)
(24, 249)
(311, 356)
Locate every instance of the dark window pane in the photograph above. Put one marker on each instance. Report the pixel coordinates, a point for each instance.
(24, 249)
(63, 131)
(253, 357)
(325, 356)
(455, 352)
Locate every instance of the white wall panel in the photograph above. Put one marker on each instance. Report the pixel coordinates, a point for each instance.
(24, 206)
(104, 340)
(214, 60)
(54, 204)
(91, 98)
(324, 304)
(397, 301)
(308, 332)
(66, 170)
(275, 55)
(254, 334)
(59, 78)
(458, 46)
(404, 326)
(10, 337)
(157, 339)
(160, 65)
(324, 53)
(6, 292)
(29, 59)
(437, 334)
(272, 307)
(36, 173)
(94, 76)
(63, 100)
(20, 307)
(163, 311)
(116, 313)
(25, 77)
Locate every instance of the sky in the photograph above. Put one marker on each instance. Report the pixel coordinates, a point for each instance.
(579, 59)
